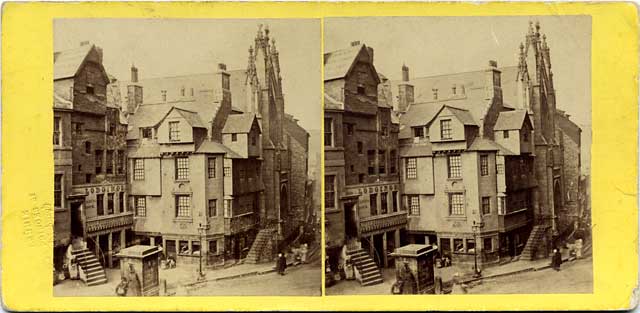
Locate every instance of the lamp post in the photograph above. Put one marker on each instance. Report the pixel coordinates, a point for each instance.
(201, 229)
(476, 229)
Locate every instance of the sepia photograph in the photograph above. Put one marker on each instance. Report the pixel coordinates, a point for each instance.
(187, 157)
(457, 155)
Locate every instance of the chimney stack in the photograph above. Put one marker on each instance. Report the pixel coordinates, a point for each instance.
(405, 91)
(84, 43)
(134, 74)
(493, 85)
(405, 73)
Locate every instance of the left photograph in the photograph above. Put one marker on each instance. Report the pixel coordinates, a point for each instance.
(186, 157)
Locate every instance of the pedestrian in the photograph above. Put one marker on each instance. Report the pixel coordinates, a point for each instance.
(134, 288)
(556, 259)
(121, 289)
(281, 263)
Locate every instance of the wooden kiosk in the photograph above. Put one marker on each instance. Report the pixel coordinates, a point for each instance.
(414, 263)
(140, 263)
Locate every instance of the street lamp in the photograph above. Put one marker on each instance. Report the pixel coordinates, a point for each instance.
(476, 229)
(201, 229)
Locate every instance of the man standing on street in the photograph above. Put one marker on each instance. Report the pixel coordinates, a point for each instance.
(281, 263)
(556, 259)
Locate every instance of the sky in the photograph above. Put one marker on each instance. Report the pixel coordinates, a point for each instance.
(441, 45)
(171, 47)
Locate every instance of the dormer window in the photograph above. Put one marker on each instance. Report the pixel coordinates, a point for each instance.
(174, 132)
(234, 137)
(90, 90)
(254, 139)
(164, 95)
(445, 129)
(526, 137)
(505, 134)
(147, 133)
(361, 90)
(418, 132)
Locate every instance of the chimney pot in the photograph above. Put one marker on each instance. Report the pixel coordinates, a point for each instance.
(222, 66)
(493, 63)
(84, 43)
(355, 43)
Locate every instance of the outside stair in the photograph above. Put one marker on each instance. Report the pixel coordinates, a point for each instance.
(95, 274)
(261, 249)
(535, 240)
(369, 272)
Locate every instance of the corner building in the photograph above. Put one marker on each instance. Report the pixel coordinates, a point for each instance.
(363, 215)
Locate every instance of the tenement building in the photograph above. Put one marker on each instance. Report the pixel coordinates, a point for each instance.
(90, 163)
(215, 165)
(363, 215)
(489, 166)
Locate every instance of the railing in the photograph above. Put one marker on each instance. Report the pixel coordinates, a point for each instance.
(240, 223)
(384, 221)
(105, 222)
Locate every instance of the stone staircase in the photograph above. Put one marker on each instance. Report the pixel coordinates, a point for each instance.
(262, 247)
(369, 272)
(536, 238)
(95, 274)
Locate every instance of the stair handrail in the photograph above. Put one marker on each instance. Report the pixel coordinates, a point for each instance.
(104, 261)
(375, 251)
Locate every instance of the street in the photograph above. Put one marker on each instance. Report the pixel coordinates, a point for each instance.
(574, 277)
(304, 280)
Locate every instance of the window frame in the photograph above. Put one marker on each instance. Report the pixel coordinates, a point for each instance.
(138, 171)
(382, 162)
(182, 206)
(454, 166)
(505, 134)
(455, 208)
(212, 208)
(211, 167)
(445, 129)
(411, 168)
(328, 131)
(58, 190)
(111, 209)
(57, 131)
(485, 205)
(418, 130)
(484, 165)
(384, 205)
(373, 204)
(100, 204)
(181, 168)
(414, 206)
(330, 191)
(174, 131)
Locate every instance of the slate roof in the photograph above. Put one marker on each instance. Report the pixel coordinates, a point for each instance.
(238, 123)
(508, 120)
(60, 102)
(483, 144)
(192, 117)
(337, 63)
(208, 146)
(67, 62)
(332, 103)
(463, 115)
(149, 115)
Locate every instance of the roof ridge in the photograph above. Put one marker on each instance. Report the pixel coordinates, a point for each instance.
(455, 73)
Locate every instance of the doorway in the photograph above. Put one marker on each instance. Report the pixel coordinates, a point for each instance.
(77, 229)
(350, 221)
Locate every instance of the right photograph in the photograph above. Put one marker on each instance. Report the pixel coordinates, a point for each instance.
(457, 155)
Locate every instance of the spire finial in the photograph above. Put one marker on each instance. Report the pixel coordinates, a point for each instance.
(537, 27)
(521, 48)
(530, 27)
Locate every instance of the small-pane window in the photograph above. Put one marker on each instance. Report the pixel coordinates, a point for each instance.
(445, 129)
(456, 204)
(110, 203)
(57, 190)
(484, 165)
(213, 207)
(505, 134)
(211, 167)
(138, 169)
(486, 205)
(141, 206)
(328, 132)
(412, 168)
(174, 131)
(383, 203)
(100, 204)
(57, 135)
(182, 168)
(414, 205)
(455, 166)
(329, 191)
(183, 206)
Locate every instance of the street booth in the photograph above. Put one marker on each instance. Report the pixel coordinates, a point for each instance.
(140, 263)
(414, 268)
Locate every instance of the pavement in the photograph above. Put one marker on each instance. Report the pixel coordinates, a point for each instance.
(513, 268)
(183, 277)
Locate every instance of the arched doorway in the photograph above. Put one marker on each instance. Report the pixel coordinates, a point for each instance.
(557, 195)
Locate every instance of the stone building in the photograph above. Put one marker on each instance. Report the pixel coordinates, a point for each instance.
(362, 187)
(233, 144)
(509, 182)
(466, 165)
(90, 156)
